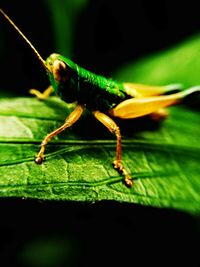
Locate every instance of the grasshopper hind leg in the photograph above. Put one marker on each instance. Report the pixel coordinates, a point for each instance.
(141, 106)
(113, 128)
(159, 115)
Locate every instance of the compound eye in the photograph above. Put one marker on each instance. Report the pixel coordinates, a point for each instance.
(59, 70)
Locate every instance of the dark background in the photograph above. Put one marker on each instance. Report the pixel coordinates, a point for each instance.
(107, 35)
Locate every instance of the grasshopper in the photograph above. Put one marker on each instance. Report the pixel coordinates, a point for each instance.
(105, 98)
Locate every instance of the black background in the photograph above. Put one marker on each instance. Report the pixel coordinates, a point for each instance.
(101, 234)
(108, 34)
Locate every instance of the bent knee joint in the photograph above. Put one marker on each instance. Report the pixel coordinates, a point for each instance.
(115, 130)
(45, 141)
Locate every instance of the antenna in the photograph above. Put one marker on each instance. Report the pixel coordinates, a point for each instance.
(27, 41)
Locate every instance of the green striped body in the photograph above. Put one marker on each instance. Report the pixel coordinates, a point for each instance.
(97, 92)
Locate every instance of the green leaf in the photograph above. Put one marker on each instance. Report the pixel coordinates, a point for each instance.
(163, 159)
(179, 64)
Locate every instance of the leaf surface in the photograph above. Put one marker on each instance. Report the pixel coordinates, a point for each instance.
(163, 159)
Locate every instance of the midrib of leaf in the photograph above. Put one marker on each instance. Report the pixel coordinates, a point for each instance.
(133, 144)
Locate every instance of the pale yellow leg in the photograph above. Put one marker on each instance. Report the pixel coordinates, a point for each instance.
(113, 128)
(41, 96)
(137, 107)
(71, 119)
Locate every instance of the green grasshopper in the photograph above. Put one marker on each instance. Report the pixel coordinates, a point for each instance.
(105, 98)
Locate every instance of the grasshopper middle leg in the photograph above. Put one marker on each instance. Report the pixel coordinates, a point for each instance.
(113, 128)
(71, 119)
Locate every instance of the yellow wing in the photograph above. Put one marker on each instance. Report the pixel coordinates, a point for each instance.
(139, 90)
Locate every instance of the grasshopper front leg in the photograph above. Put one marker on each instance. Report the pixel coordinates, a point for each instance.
(113, 128)
(71, 119)
(42, 96)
